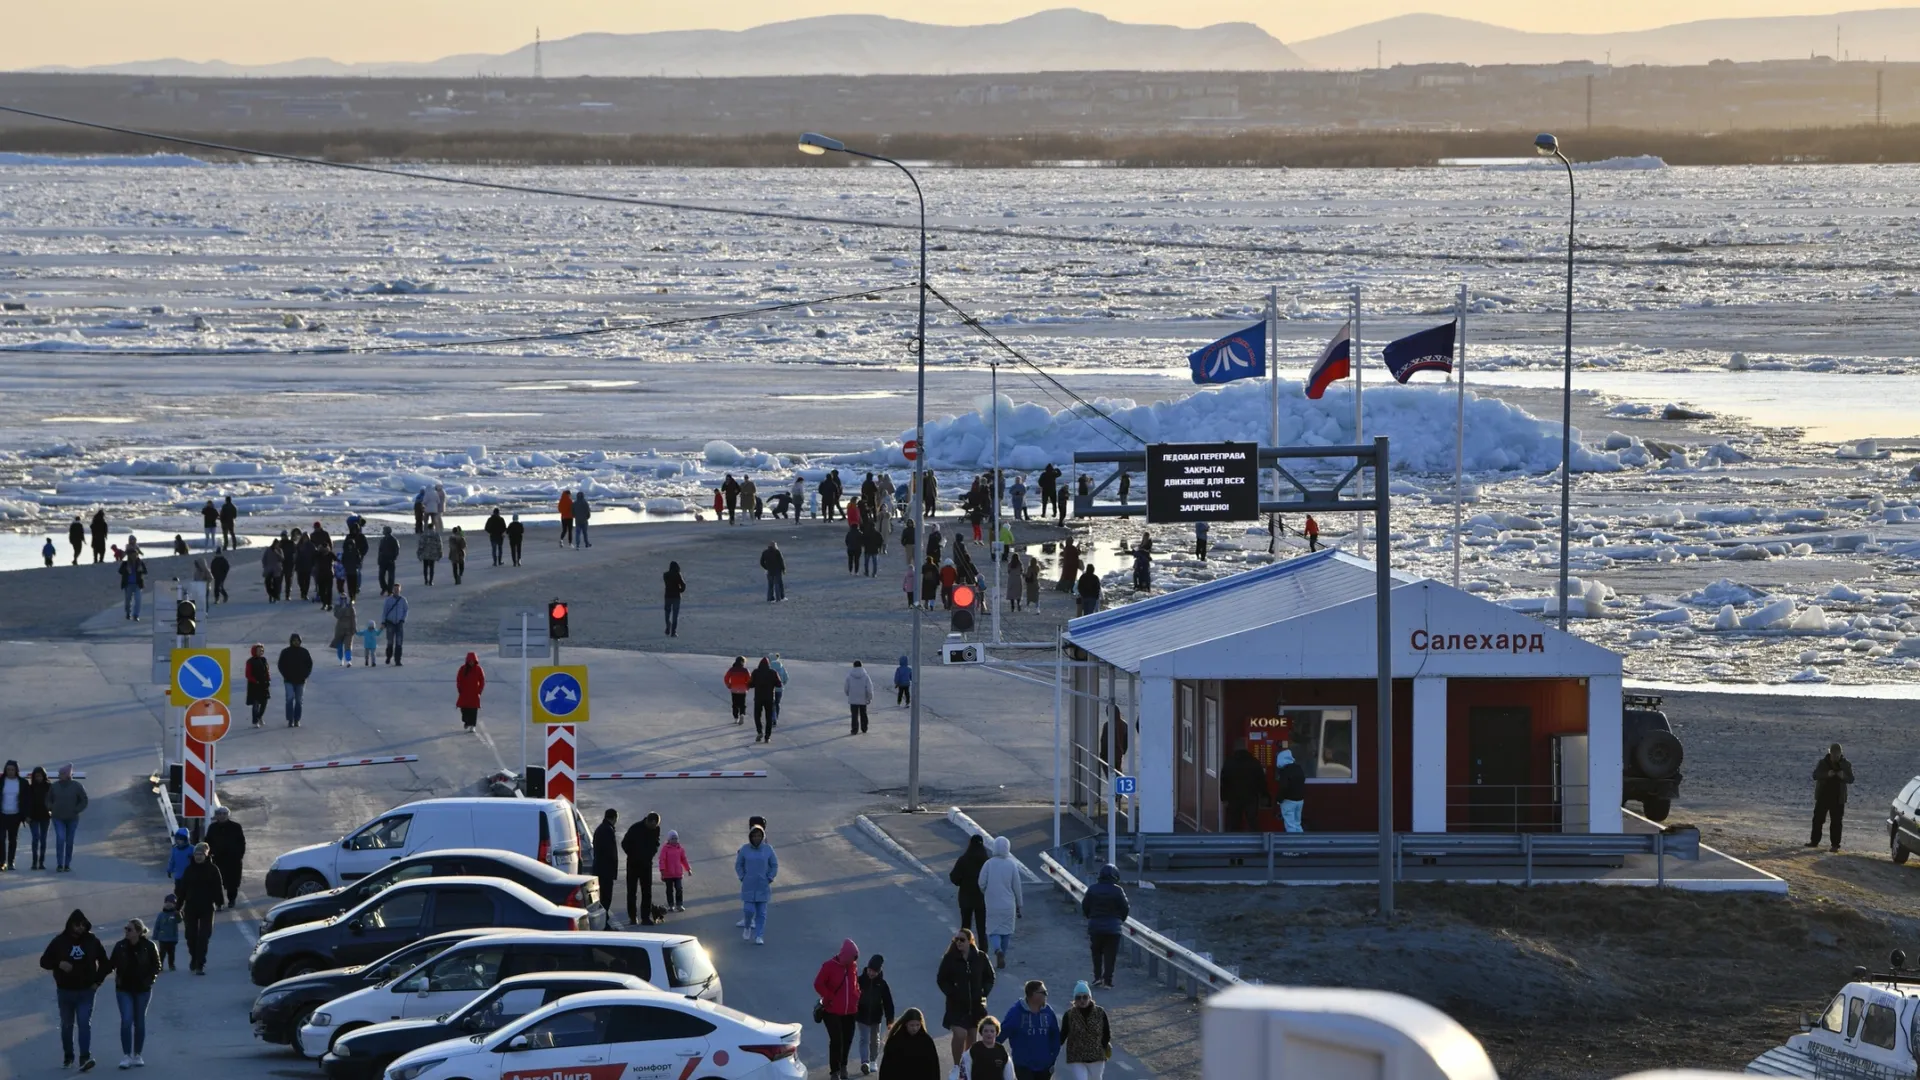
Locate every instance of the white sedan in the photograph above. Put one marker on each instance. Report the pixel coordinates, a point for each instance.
(617, 1035)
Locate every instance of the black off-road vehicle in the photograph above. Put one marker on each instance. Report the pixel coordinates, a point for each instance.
(1651, 755)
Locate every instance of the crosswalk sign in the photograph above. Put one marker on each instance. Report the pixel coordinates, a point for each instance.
(559, 694)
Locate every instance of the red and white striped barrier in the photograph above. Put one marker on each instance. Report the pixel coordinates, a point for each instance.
(560, 762)
(303, 766)
(717, 774)
(196, 780)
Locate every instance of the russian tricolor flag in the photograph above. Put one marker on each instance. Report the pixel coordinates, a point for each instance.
(1335, 363)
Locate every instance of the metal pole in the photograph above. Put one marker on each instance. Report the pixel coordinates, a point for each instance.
(1059, 656)
(1566, 405)
(1383, 670)
(999, 556)
(1273, 374)
(526, 699)
(1113, 774)
(1359, 367)
(1459, 432)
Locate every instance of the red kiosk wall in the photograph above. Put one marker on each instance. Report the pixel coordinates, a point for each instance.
(1351, 807)
(1558, 707)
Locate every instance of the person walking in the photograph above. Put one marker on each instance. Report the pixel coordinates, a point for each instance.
(77, 537)
(606, 854)
(220, 568)
(324, 565)
(581, 513)
(674, 867)
(259, 682)
(642, 845)
(907, 537)
(516, 536)
(876, 1010)
(135, 963)
(903, 683)
(66, 801)
(457, 553)
(1106, 909)
(387, 559)
(468, 684)
(965, 876)
(756, 865)
(837, 986)
(1087, 1035)
(929, 582)
(965, 978)
(1290, 789)
(210, 525)
(765, 683)
(1243, 788)
(1831, 776)
(872, 542)
(780, 671)
(13, 810)
(1019, 493)
(673, 587)
(179, 856)
(201, 893)
(1200, 530)
(302, 564)
(79, 964)
(227, 847)
(496, 529)
(369, 642)
(393, 619)
(988, 1058)
(910, 1051)
(1000, 885)
(1032, 1031)
(37, 808)
(1089, 590)
(1142, 569)
(166, 929)
(1032, 576)
(776, 567)
(1069, 566)
(1311, 530)
(133, 581)
(749, 498)
(346, 620)
(854, 543)
(427, 550)
(738, 680)
(420, 510)
(859, 688)
(730, 496)
(98, 527)
(296, 667)
(229, 514)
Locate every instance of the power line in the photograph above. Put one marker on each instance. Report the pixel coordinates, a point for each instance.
(1342, 252)
(424, 346)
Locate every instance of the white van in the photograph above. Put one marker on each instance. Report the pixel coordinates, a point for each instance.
(549, 830)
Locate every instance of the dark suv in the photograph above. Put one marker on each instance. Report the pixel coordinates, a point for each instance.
(280, 1009)
(567, 890)
(1651, 755)
(1903, 822)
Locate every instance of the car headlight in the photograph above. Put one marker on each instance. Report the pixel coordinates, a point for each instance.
(321, 1019)
(411, 1071)
(340, 1049)
(271, 998)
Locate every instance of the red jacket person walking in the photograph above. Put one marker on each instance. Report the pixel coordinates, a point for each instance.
(470, 682)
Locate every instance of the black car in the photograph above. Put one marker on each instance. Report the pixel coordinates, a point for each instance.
(1651, 755)
(281, 1008)
(558, 886)
(364, 1053)
(1903, 822)
(406, 912)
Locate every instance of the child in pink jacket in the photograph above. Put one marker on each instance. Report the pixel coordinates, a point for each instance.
(673, 867)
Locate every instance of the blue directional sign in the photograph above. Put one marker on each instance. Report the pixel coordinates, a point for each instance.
(560, 694)
(198, 675)
(1123, 785)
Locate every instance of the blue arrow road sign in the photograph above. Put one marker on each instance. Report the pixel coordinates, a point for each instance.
(1123, 785)
(201, 677)
(560, 694)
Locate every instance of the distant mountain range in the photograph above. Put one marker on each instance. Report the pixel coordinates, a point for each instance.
(1067, 39)
(1892, 33)
(1064, 39)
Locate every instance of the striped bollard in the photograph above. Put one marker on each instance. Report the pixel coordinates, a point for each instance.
(560, 756)
(196, 781)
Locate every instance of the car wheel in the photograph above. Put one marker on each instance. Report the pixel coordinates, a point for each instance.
(1658, 755)
(1899, 850)
(343, 1033)
(302, 965)
(300, 1021)
(306, 884)
(1657, 809)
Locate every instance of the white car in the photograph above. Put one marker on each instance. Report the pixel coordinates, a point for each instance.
(676, 963)
(546, 830)
(617, 1035)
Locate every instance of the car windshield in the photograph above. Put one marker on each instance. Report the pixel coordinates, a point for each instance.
(688, 964)
(401, 961)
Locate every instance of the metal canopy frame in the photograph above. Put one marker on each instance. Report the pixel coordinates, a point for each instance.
(1365, 457)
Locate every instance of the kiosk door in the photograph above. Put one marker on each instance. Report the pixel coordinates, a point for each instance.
(1500, 749)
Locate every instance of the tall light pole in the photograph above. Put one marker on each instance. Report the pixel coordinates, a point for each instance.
(811, 143)
(1547, 144)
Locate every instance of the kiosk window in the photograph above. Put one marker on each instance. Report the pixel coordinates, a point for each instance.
(1323, 743)
(1213, 737)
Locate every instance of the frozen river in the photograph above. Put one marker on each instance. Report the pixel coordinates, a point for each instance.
(1777, 301)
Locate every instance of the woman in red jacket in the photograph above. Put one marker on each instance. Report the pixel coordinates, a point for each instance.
(470, 682)
(738, 679)
(838, 987)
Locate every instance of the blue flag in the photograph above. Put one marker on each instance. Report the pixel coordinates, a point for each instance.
(1241, 355)
(1428, 350)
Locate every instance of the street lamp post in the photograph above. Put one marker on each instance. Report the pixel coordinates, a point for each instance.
(811, 143)
(1547, 144)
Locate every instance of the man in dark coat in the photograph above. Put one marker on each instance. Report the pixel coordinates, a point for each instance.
(1830, 779)
(606, 855)
(1243, 787)
(98, 528)
(1105, 908)
(642, 845)
(229, 513)
(388, 557)
(497, 535)
(1088, 588)
(227, 847)
(516, 535)
(730, 489)
(201, 892)
(766, 684)
(296, 666)
(79, 965)
(965, 875)
(775, 564)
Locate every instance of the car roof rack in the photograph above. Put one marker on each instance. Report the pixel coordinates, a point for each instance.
(1640, 701)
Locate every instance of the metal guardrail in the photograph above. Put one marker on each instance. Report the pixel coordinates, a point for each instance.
(1183, 965)
(1172, 849)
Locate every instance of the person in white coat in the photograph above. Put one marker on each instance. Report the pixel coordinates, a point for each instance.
(1000, 883)
(859, 696)
(437, 503)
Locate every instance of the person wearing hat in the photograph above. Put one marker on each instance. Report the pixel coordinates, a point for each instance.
(1105, 908)
(1087, 1035)
(179, 856)
(1000, 888)
(876, 1010)
(201, 893)
(227, 847)
(756, 865)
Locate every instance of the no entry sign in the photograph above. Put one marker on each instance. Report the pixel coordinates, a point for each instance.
(1203, 482)
(911, 449)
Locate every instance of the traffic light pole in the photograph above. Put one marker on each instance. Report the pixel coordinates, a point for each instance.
(526, 699)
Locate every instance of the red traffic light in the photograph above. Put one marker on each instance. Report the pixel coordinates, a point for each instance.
(557, 611)
(963, 596)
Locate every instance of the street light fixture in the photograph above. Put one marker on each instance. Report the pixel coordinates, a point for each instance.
(1548, 145)
(817, 144)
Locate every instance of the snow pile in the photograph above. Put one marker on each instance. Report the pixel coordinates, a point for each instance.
(722, 454)
(1722, 593)
(1418, 419)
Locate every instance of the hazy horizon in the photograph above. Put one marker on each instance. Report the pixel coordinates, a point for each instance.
(83, 33)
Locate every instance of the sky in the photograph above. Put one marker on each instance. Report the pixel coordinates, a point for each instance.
(86, 32)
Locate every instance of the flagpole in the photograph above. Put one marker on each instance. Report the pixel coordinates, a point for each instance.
(1273, 374)
(1358, 365)
(1459, 431)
